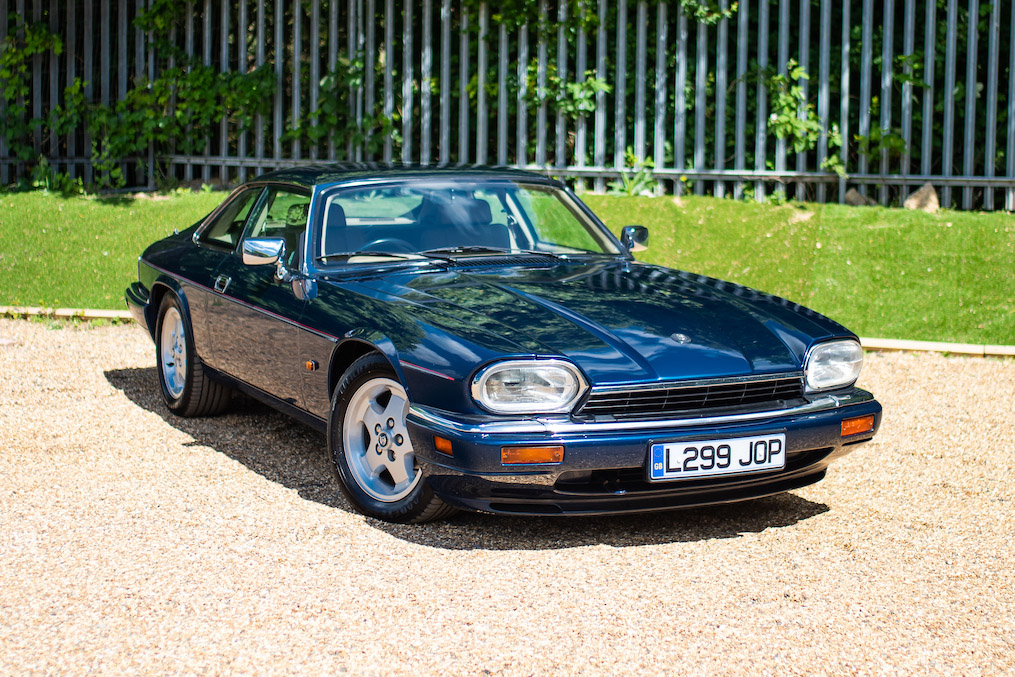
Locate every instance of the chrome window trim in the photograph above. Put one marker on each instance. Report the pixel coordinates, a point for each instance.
(426, 416)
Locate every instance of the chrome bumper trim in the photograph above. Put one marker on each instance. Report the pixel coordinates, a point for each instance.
(425, 416)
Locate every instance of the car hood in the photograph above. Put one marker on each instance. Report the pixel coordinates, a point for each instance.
(621, 321)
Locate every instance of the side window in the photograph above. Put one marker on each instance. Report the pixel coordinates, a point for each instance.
(282, 213)
(227, 227)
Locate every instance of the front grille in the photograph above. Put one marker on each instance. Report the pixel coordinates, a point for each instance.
(699, 396)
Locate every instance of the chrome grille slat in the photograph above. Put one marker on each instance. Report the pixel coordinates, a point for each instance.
(671, 398)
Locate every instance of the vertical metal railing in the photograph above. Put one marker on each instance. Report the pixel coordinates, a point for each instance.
(695, 96)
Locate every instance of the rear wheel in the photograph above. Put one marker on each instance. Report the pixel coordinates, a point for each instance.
(186, 387)
(371, 450)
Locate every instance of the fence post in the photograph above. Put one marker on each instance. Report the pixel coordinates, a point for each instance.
(992, 67)
(948, 139)
(1009, 202)
(482, 132)
(407, 63)
(720, 100)
(620, 89)
(804, 31)
(739, 161)
(844, 99)
(541, 57)
(700, 82)
(866, 65)
(761, 126)
(659, 132)
(823, 91)
(969, 140)
(679, 90)
(780, 142)
(886, 88)
(599, 150)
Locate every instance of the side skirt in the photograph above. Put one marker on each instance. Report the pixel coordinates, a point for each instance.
(304, 417)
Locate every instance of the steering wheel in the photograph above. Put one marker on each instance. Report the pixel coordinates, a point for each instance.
(389, 244)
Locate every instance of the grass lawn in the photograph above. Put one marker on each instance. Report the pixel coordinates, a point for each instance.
(82, 252)
(888, 273)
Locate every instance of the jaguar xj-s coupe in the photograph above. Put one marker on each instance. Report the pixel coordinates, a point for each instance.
(478, 339)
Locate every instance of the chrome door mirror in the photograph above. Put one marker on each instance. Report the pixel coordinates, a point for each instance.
(263, 251)
(635, 238)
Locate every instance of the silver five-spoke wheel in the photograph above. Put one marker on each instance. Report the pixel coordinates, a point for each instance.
(174, 352)
(186, 388)
(377, 443)
(374, 458)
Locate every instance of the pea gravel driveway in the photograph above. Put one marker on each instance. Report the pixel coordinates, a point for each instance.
(135, 542)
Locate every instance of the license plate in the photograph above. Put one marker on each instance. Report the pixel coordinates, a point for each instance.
(710, 458)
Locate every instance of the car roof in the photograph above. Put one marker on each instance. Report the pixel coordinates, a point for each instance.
(312, 175)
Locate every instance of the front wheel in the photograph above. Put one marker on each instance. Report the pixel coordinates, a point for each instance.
(370, 447)
(186, 388)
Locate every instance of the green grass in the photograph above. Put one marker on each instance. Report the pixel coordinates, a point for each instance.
(882, 272)
(889, 273)
(82, 252)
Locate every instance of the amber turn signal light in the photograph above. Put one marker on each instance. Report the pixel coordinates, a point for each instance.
(860, 424)
(513, 455)
(442, 445)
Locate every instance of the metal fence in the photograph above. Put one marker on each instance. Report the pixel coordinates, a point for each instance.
(702, 100)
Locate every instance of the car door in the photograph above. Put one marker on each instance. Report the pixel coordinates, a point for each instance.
(253, 316)
(216, 240)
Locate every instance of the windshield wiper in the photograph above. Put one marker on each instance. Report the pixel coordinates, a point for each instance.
(420, 257)
(482, 249)
(466, 249)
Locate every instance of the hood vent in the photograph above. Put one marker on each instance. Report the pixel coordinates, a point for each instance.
(693, 397)
(501, 260)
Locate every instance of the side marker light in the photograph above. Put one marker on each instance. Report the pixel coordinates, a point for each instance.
(522, 455)
(442, 445)
(858, 425)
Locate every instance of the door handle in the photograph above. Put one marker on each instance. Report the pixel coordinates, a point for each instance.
(221, 283)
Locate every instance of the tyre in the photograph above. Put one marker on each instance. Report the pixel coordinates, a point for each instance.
(370, 447)
(186, 387)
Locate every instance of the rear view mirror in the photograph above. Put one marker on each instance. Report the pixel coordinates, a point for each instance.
(635, 238)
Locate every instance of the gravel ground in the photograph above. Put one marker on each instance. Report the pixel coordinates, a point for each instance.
(133, 541)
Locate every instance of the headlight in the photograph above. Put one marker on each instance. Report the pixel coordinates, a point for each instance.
(833, 365)
(528, 387)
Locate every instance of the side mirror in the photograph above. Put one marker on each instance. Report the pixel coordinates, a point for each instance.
(635, 238)
(263, 251)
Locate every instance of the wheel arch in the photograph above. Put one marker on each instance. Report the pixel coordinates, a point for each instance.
(351, 349)
(165, 285)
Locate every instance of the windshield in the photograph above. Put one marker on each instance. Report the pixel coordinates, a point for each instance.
(453, 219)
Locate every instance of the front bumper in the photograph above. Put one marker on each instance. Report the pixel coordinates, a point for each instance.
(605, 463)
(137, 303)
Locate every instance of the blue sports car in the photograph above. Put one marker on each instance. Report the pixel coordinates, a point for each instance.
(478, 339)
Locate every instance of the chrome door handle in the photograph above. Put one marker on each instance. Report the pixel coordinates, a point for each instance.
(221, 283)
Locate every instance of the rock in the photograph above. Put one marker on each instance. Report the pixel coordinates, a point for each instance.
(924, 199)
(854, 199)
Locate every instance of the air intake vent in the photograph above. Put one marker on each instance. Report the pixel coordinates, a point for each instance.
(670, 399)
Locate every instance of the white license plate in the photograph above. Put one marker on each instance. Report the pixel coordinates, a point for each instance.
(709, 458)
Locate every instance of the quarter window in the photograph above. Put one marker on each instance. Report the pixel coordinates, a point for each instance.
(226, 228)
(282, 213)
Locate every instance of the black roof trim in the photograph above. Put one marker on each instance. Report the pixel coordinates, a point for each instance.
(325, 174)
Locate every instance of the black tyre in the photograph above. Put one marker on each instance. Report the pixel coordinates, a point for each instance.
(370, 447)
(186, 388)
